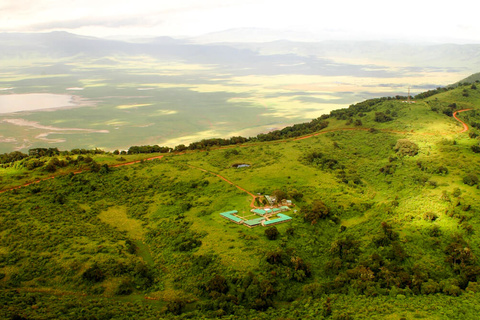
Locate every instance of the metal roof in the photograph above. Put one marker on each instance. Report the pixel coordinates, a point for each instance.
(254, 222)
(281, 218)
(259, 211)
(230, 215)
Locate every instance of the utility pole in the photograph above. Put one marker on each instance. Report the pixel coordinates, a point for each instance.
(408, 99)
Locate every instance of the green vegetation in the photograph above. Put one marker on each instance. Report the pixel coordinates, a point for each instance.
(386, 225)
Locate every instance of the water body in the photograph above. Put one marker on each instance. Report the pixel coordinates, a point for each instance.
(10, 103)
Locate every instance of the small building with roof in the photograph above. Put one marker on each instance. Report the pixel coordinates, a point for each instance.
(260, 212)
(253, 222)
(265, 216)
(280, 219)
(231, 215)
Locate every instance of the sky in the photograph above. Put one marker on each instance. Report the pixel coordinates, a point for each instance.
(415, 20)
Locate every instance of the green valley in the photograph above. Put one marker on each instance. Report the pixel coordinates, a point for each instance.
(385, 221)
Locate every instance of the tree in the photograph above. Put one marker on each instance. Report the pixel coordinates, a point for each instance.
(295, 195)
(104, 169)
(217, 284)
(125, 287)
(176, 306)
(382, 117)
(315, 211)
(405, 147)
(475, 148)
(50, 167)
(272, 233)
(279, 195)
(180, 148)
(93, 274)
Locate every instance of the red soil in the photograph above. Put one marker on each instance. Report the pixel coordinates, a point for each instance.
(465, 126)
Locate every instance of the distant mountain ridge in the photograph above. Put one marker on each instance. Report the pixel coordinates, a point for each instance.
(238, 51)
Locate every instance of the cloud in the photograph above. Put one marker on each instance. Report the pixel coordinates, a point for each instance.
(20, 7)
(106, 22)
(369, 19)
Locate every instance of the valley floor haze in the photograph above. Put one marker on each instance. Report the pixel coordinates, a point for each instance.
(68, 91)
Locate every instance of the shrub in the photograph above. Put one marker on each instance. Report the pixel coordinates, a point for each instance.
(279, 195)
(405, 147)
(125, 287)
(275, 257)
(382, 117)
(176, 306)
(217, 284)
(272, 233)
(290, 231)
(93, 274)
(188, 243)
(457, 192)
(430, 216)
(435, 231)
(131, 247)
(50, 167)
(470, 179)
(430, 287)
(315, 211)
(295, 195)
(388, 169)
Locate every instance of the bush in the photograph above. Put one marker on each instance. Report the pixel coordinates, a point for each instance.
(441, 170)
(188, 244)
(125, 287)
(405, 147)
(217, 284)
(430, 216)
(272, 233)
(176, 306)
(470, 179)
(430, 287)
(275, 257)
(290, 231)
(382, 117)
(315, 211)
(279, 195)
(93, 274)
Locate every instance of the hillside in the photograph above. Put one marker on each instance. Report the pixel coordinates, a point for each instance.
(471, 79)
(384, 225)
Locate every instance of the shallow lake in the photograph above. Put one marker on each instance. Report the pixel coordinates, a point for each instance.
(34, 101)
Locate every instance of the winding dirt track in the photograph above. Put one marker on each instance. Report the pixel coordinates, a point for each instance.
(252, 204)
(465, 126)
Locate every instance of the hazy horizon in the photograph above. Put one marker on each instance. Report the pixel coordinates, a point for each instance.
(339, 20)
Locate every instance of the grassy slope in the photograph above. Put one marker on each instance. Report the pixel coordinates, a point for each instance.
(174, 203)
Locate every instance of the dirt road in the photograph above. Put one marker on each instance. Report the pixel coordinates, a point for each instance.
(465, 129)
